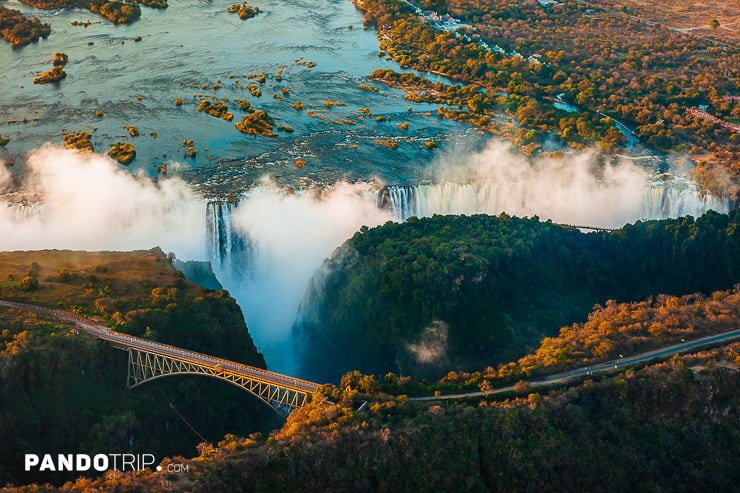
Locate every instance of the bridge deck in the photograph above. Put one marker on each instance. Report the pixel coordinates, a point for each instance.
(125, 341)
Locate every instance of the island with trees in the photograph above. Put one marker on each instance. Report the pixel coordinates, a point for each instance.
(57, 72)
(243, 10)
(217, 109)
(257, 123)
(116, 12)
(123, 152)
(79, 141)
(19, 30)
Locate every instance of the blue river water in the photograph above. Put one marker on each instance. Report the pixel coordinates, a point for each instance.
(196, 50)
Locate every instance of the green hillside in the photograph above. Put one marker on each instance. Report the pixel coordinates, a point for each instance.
(462, 292)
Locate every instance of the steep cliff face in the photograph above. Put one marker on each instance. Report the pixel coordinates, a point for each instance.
(199, 273)
(65, 392)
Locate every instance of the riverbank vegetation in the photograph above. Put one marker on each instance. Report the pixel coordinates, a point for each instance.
(565, 71)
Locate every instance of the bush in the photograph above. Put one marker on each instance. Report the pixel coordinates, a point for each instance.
(29, 283)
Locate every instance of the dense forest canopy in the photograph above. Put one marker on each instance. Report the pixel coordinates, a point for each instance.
(462, 292)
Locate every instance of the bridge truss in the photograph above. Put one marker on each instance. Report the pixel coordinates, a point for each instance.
(144, 366)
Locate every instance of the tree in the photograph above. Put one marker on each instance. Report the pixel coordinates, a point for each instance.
(714, 23)
(485, 387)
(533, 400)
(521, 387)
(29, 283)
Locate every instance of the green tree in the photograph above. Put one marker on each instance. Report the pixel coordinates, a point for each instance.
(29, 283)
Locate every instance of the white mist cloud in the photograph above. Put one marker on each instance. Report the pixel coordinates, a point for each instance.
(70, 200)
(573, 189)
(86, 202)
(291, 234)
(431, 347)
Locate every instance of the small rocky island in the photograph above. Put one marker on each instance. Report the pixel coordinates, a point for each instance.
(56, 73)
(79, 141)
(123, 152)
(244, 11)
(216, 109)
(257, 123)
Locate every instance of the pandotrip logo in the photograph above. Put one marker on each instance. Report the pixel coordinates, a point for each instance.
(85, 462)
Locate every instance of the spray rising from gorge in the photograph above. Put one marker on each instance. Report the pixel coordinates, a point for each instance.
(266, 245)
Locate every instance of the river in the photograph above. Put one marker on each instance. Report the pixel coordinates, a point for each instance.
(194, 45)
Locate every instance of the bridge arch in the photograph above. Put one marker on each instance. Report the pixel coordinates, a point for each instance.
(145, 366)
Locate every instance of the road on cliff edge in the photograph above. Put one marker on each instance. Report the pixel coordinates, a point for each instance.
(608, 366)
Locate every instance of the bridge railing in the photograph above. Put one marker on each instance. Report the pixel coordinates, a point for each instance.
(590, 228)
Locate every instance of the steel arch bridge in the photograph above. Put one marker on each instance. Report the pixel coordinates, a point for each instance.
(149, 360)
(146, 365)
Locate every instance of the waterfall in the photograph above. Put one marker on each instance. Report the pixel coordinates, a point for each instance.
(661, 199)
(678, 197)
(231, 251)
(402, 201)
(227, 250)
(218, 232)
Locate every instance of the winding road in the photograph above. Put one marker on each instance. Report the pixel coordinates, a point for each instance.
(608, 366)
